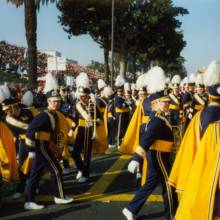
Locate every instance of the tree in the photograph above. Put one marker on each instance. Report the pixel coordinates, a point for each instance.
(145, 30)
(30, 14)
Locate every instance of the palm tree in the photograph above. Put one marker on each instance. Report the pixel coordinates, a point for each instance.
(30, 12)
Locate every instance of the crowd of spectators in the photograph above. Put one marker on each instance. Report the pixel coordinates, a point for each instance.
(13, 59)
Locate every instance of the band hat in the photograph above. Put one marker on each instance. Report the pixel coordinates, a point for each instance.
(53, 95)
(50, 83)
(157, 84)
(192, 80)
(2, 95)
(199, 81)
(27, 98)
(7, 103)
(6, 91)
(127, 88)
(141, 81)
(101, 84)
(81, 91)
(119, 82)
(82, 81)
(176, 81)
(108, 92)
(212, 79)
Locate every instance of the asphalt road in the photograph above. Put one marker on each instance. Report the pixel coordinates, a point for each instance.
(109, 190)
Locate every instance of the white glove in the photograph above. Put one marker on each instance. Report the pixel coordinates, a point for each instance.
(31, 154)
(133, 166)
(70, 133)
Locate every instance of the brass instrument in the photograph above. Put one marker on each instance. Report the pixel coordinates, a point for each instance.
(93, 116)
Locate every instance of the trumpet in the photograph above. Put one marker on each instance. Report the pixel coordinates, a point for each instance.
(93, 116)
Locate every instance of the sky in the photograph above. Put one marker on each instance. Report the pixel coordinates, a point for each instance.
(200, 27)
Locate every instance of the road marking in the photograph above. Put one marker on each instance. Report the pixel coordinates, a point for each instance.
(105, 181)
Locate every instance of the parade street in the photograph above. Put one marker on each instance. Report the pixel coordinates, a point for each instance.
(109, 190)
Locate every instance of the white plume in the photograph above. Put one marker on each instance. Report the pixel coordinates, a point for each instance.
(168, 80)
(192, 78)
(120, 81)
(186, 80)
(127, 86)
(108, 91)
(212, 74)
(157, 80)
(146, 79)
(6, 91)
(82, 80)
(92, 97)
(133, 86)
(27, 98)
(176, 79)
(2, 95)
(101, 84)
(51, 83)
(199, 79)
(140, 83)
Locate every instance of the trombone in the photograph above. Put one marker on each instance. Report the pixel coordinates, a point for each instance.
(93, 117)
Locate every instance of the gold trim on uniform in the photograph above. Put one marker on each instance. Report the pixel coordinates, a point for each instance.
(118, 110)
(82, 111)
(161, 145)
(199, 99)
(174, 107)
(145, 119)
(43, 136)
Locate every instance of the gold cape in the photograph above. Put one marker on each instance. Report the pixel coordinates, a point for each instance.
(198, 198)
(186, 154)
(100, 144)
(131, 138)
(9, 167)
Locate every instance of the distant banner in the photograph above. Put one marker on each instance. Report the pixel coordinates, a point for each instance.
(56, 63)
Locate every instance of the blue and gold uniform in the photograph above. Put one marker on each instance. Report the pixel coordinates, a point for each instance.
(199, 102)
(39, 134)
(83, 142)
(18, 121)
(187, 102)
(157, 142)
(201, 197)
(122, 117)
(155, 145)
(175, 108)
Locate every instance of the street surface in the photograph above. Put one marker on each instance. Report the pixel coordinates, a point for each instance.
(109, 190)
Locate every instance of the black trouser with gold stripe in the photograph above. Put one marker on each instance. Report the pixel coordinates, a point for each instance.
(83, 143)
(23, 153)
(158, 171)
(44, 159)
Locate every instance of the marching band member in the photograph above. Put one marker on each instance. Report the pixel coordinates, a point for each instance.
(8, 162)
(201, 196)
(42, 132)
(134, 92)
(136, 127)
(187, 100)
(18, 120)
(175, 101)
(100, 143)
(86, 120)
(129, 100)
(200, 98)
(121, 109)
(28, 100)
(101, 103)
(110, 122)
(156, 145)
